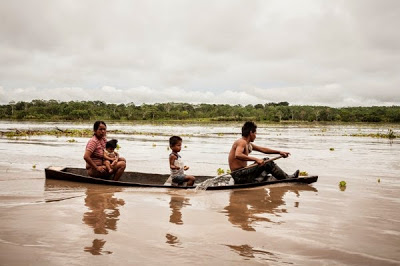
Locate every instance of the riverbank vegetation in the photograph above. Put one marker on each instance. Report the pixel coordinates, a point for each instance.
(53, 110)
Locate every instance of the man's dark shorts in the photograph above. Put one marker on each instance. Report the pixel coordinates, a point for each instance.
(249, 175)
(179, 179)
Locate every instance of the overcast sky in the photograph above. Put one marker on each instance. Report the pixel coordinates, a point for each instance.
(335, 53)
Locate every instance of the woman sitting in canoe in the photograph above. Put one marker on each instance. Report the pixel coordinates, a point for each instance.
(94, 154)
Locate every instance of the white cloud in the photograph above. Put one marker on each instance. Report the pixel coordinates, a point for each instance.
(213, 51)
(331, 95)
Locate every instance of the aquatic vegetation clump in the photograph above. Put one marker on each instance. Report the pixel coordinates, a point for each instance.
(331, 149)
(220, 171)
(389, 135)
(303, 173)
(342, 185)
(55, 132)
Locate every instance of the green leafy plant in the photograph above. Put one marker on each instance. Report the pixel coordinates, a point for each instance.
(220, 171)
(303, 173)
(342, 185)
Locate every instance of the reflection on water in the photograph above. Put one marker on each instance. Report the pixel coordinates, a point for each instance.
(250, 253)
(102, 217)
(172, 240)
(176, 203)
(247, 208)
(97, 247)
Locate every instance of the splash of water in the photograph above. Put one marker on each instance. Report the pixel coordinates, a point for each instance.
(222, 180)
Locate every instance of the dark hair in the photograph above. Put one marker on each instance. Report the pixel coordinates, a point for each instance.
(97, 125)
(248, 127)
(174, 140)
(112, 143)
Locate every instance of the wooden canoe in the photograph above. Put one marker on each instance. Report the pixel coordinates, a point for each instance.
(136, 179)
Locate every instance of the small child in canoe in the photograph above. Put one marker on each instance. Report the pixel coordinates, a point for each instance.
(176, 164)
(110, 156)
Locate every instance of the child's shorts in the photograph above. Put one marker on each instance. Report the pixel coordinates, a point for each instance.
(178, 179)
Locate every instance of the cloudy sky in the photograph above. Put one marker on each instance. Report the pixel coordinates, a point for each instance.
(335, 53)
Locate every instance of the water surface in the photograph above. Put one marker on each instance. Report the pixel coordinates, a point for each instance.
(57, 223)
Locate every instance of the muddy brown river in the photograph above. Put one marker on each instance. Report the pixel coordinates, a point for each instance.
(65, 223)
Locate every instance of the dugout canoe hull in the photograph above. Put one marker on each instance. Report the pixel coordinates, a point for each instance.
(137, 179)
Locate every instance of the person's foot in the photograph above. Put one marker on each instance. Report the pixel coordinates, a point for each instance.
(295, 174)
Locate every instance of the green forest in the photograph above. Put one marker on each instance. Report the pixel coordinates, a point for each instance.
(52, 110)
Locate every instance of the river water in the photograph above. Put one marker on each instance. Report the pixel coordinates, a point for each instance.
(64, 223)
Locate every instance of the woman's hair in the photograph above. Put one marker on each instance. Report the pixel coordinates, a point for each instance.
(248, 127)
(174, 140)
(97, 125)
(112, 143)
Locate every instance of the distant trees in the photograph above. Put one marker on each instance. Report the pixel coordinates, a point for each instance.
(274, 112)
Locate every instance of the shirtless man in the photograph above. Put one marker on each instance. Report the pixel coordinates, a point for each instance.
(240, 154)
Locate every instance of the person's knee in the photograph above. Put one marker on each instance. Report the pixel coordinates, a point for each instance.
(122, 164)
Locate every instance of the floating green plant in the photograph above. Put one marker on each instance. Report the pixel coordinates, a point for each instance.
(331, 149)
(34, 166)
(342, 185)
(303, 173)
(220, 171)
(71, 140)
(379, 180)
(118, 147)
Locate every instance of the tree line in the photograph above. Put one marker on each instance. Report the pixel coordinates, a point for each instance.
(53, 110)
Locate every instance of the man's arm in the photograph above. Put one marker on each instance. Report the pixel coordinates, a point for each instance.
(266, 150)
(240, 155)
